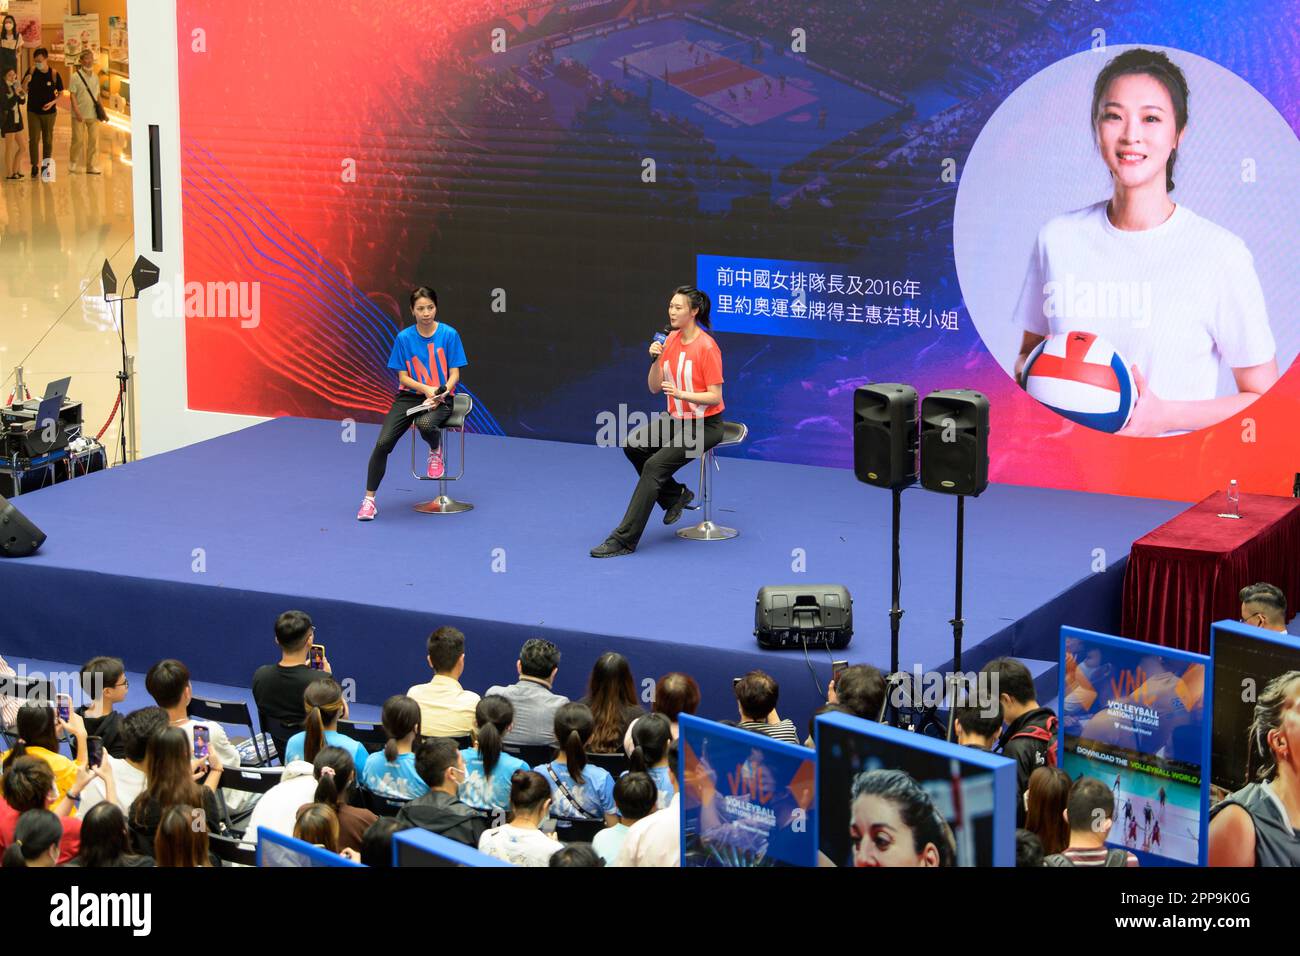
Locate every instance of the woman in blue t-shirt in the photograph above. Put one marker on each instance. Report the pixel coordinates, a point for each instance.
(652, 735)
(325, 704)
(487, 769)
(578, 791)
(391, 772)
(427, 358)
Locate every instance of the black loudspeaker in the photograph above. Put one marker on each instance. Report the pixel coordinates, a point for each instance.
(803, 615)
(955, 441)
(884, 434)
(18, 536)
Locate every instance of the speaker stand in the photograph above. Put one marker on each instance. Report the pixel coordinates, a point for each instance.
(895, 612)
(958, 624)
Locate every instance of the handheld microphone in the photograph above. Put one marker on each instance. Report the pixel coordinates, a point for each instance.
(662, 335)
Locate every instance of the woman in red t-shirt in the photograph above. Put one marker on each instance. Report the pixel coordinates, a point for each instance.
(687, 368)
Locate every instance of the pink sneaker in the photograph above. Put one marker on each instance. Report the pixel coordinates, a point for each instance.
(435, 464)
(368, 510)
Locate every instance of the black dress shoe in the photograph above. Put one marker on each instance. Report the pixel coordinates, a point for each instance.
(611, 548)
(675, 512)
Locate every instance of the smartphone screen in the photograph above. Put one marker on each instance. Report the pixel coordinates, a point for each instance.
(64, 707)
(318, 657)
(94, 751)
(836, 667)
(201, 737)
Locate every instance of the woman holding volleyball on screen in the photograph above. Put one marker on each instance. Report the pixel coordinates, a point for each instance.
(1173, 293)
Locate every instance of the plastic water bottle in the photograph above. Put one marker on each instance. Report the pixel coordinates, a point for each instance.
(1234, 499)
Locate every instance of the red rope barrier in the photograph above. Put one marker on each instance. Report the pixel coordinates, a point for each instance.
(112, 414)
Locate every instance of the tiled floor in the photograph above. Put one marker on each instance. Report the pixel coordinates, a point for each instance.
(54, 238)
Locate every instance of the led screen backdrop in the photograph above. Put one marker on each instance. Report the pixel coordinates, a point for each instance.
(841, 177)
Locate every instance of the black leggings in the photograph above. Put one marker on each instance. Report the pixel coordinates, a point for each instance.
(396, 422)
(657, 450)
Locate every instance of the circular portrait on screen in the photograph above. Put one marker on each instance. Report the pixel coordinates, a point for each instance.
(1124, 237)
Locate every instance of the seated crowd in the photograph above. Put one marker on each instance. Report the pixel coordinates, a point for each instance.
(522, 773)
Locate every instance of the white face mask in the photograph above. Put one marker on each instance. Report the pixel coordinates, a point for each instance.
(43, 67)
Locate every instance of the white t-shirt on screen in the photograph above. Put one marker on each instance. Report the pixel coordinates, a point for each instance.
(1175, 300)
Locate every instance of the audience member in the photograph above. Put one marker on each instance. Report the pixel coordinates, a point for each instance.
(324, 703)
(181, 839)
(442, 768)
(38, 835)
(278, 807)
(278, 689)
(579, 791)
(29, 785)
(105, 839)
(446, 708)
(9, 704)
(1030, 735)
(489, 771)
(675, 694)
(1029, 849)
(611, 697)
(534, 702)
(521, 841)
(973, 726)
(129, 772)
(336, 773)
(634, 795)
(318, 824)
(38, 727)
(655, 840)
(576, 854)
(756, 696)
(43, 92)
(170, 781)
(391, 771)
(860, 689)
(104, 683)
(652, 736)
(377, 842)
(811, 739)
(1090, 814)
(168, 683)
(1263, 605)
(1046, 800)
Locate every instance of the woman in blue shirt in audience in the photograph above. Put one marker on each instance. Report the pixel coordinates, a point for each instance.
(578, 791)
(391, 772)
(324, 702)
(487, 769)
(651, 736)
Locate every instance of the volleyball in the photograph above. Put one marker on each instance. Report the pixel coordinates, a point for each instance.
(1080, 376)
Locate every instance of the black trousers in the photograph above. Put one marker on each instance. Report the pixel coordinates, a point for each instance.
(395, 425)
(657, 450)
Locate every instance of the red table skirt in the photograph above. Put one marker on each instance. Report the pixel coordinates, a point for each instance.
(1187, 573)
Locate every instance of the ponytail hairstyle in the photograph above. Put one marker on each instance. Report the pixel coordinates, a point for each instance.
(27, 784)
(401, 715)
(528, 791)
(573, 727)
(1270, 711)
(334, 768)
(699, 303)
(178, 841)
(651, 736)
(1155, 64)
(36, 728)
(37, 831)
(492, 718)
(323, 701)
(317, 823)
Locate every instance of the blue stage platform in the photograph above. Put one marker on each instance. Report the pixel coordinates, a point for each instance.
(193, 553)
